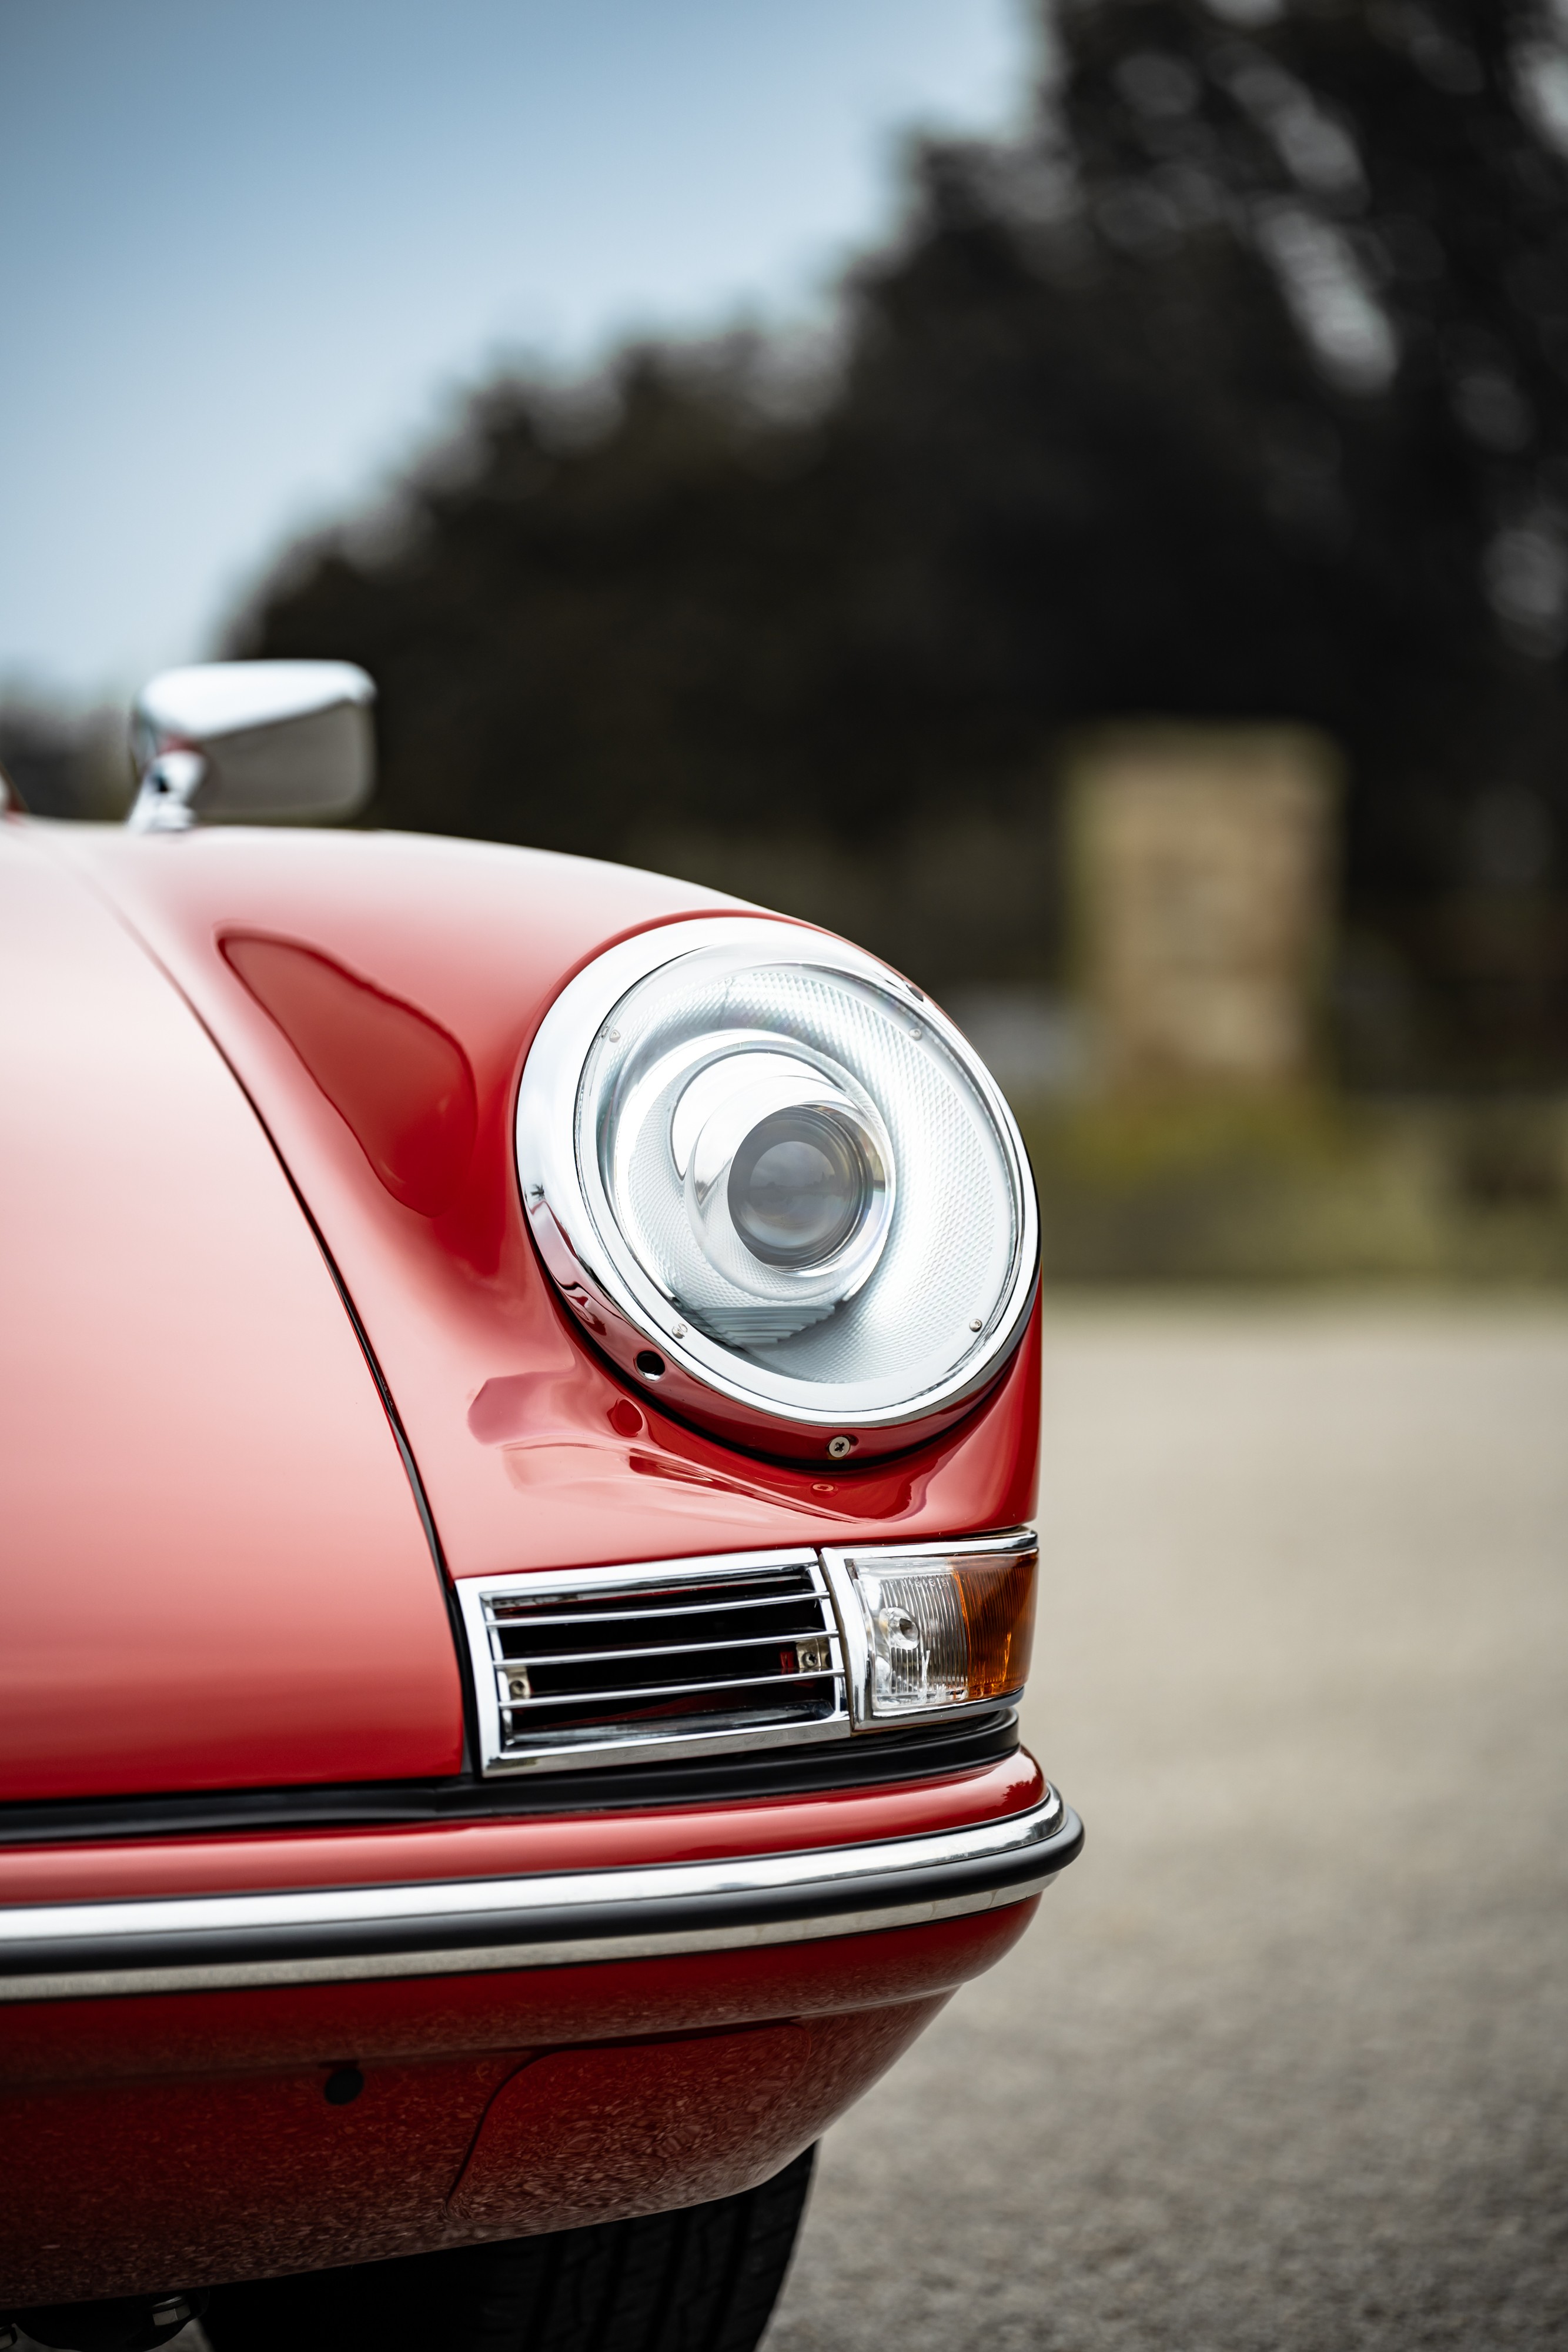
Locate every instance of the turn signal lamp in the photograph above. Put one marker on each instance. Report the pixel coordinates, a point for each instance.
(937, 1627)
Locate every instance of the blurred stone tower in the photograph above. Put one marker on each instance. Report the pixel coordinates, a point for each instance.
(1202, 878)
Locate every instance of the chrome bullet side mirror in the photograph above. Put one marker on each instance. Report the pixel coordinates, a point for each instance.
(252, 743)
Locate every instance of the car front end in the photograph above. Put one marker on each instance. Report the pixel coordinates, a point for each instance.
(522, 1424)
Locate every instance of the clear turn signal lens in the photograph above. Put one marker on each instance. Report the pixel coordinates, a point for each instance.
(937, 1626)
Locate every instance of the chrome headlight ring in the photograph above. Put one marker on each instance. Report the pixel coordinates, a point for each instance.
(771, 1178)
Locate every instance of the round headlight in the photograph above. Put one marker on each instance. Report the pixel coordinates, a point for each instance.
(764, 1170)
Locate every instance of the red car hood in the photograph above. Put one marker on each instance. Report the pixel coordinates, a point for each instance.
(214, 1571)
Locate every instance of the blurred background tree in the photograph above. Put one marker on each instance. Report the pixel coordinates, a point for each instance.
(1235, 387)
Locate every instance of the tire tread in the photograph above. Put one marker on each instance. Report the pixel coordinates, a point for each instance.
(702, 2279)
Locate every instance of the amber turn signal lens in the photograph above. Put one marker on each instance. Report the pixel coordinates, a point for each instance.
(998, 1617)
(943, 1626)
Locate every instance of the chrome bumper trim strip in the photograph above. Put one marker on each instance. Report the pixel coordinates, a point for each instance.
(558, 1919)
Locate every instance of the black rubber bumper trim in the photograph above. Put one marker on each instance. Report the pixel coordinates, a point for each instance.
(871, 1760)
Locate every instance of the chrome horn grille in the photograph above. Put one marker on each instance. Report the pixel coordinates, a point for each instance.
(687, 1657)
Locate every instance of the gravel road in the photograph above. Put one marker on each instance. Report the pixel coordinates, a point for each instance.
(1284, 2060)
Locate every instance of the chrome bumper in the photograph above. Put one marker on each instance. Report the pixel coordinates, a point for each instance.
(204, 1943)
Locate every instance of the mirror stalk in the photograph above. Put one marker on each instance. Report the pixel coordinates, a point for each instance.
(169, 786)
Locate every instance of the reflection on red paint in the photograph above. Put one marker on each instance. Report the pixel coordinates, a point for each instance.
(401, 1084)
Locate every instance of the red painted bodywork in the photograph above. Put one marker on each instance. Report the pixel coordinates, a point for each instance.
(214, 1573)
(201, 2177)
(508, 1414)
(186, 2137)
(217, 1574)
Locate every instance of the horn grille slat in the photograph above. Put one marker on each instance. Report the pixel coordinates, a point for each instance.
(676, 1659)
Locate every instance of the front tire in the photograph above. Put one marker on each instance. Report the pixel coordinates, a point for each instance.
(704, 2279)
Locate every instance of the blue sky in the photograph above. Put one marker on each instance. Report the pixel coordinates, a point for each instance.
(251, 251)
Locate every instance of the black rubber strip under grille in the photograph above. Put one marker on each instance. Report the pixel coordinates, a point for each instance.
(871, 1760)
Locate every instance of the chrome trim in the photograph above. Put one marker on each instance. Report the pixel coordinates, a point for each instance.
(838, 1565)
(553, 1919)
(577, 1236)
(646, 1744)
(833, 1575)
(671, 1690)
(664, 1649)
(252, 740)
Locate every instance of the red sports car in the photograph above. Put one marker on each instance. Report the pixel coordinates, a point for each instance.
(520, 1413)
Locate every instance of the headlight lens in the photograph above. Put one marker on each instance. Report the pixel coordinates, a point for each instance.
(799, 1187)
(780, 1165)
(784, 1174)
